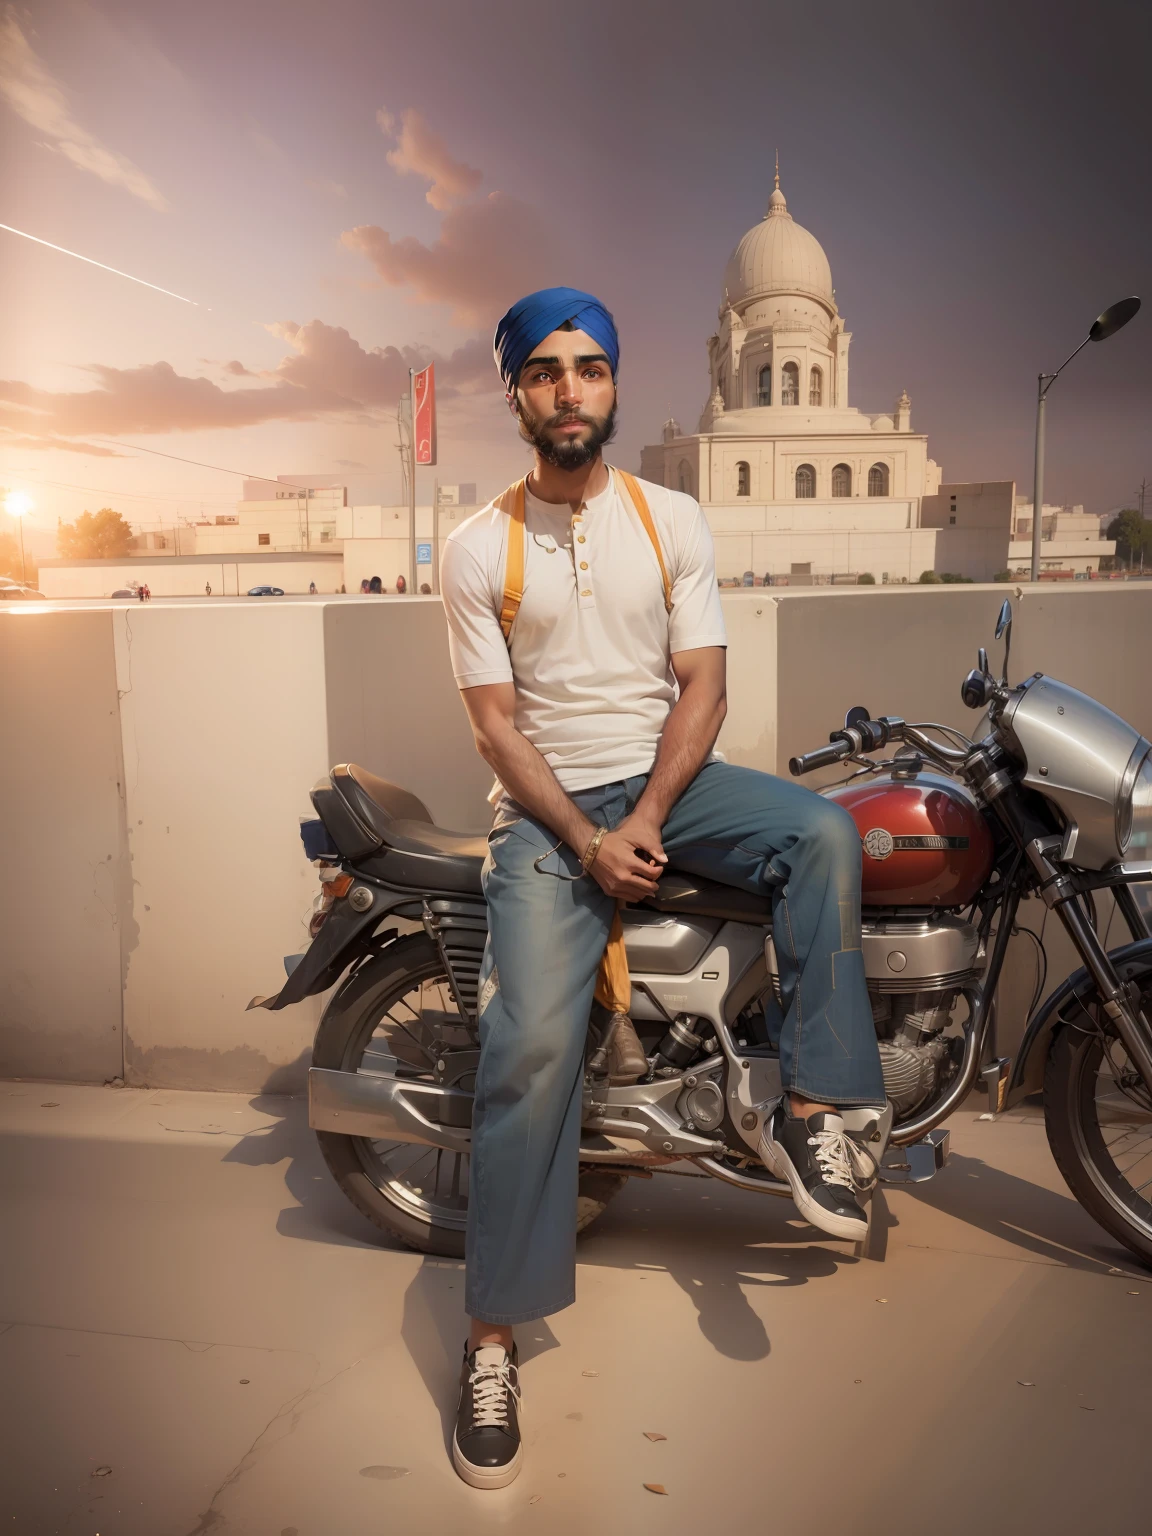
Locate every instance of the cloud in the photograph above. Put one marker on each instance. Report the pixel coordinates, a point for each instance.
(237, 367)
(423, 153)
(11, 439)
(488, 253)
(327, 374)
(35, 96)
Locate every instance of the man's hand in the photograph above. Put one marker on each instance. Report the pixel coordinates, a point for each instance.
(619, 871)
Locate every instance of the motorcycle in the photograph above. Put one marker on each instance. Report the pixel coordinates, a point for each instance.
(1054, 800)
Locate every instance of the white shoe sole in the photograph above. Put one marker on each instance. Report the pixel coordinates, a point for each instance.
(486, 1477)
(783, 1168)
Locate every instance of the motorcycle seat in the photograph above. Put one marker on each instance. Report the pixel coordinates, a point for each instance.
(409, 849)
(403, 846)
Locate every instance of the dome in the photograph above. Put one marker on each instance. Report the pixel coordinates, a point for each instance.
(778, 256)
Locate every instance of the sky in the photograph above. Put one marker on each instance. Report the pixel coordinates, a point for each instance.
(345, 190)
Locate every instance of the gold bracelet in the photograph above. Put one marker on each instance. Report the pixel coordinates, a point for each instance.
(593, 849)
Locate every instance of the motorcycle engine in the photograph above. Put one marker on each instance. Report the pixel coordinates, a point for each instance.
(916, 967)
(917, 1057)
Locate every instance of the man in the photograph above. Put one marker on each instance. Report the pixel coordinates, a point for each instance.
(598, 714)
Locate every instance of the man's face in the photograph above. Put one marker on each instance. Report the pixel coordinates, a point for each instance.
(566, 399)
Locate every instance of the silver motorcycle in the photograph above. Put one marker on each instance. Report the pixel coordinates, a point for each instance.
(1053, 800)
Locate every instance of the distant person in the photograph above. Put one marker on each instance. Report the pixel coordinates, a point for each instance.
(343, 593)
(140, 591)
(312, 588)
(401, 584)
(364, 587)
(207, 589)
(376, 585)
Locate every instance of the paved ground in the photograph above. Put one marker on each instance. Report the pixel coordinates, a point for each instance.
(200, 1336)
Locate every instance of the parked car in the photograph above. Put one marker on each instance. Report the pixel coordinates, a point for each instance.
(124, 592)
(17, 590)
(265, 591)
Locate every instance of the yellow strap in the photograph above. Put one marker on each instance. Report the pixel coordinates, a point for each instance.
(637, 498)
(511, 501)
(613, 983)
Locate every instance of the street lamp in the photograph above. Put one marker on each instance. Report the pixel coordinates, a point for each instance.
(18, 505)
(1103, 326)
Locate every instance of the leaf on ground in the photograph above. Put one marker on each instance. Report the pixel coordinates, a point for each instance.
(654, 1434)
(656, 1488)
(1025, 1383)
(102, 1472)
(535, 1499)
(589, 1373)
(384, 1474)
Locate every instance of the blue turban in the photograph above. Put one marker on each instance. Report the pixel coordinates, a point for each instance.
(532, 318)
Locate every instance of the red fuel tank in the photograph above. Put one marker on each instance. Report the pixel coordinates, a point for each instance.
(925, 841)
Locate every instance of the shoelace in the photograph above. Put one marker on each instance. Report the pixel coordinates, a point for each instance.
(491, 1385)
(841, 1159)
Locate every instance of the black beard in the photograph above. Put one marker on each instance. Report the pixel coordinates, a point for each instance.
(569, 455)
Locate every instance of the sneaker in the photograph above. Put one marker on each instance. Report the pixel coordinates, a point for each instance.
(486, 1447)
(824, 1166)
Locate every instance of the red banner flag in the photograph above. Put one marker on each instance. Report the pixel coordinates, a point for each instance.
(424, 414)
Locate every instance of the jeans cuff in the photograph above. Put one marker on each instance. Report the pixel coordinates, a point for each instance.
(509, 1319)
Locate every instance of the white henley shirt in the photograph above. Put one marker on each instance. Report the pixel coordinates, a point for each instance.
(589, 653)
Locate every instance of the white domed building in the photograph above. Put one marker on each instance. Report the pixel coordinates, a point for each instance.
(795, 481)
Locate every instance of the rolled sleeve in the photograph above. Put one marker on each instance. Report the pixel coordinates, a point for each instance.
(697, 619)
(475, 640)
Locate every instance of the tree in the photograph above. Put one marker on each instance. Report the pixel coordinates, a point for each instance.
(928, 579)
(1133, 535)
(865, 579)
(10, 556)
(1002, 576)
(101, 535)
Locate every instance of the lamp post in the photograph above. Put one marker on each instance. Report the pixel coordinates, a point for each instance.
(1105, 325)
(18, 505)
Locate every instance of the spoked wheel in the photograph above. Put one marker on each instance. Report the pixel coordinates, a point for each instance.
(396, 1016)
(1098, 1116)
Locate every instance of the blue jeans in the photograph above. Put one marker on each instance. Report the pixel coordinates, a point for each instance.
(546, 938)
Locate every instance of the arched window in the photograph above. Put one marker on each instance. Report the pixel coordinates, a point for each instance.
(790, 384)
(815, 387)
(878, 480)
(841, 480)
(743, 479)
(764, 385)
(685, 476)
(805, 481)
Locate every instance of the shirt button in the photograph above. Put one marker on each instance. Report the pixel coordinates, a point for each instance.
(583, 565)
(580, 539)
(586, 593)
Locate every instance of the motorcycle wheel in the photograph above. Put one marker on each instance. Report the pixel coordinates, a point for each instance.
(1099, 1122)
(384, 1017)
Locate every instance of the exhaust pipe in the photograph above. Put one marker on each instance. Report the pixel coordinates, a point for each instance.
(386, 1108)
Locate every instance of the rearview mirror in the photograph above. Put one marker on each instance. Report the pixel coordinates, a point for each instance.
(982, 661)
(1005, 618)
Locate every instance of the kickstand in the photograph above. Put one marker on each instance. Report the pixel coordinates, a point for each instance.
(875, 1244)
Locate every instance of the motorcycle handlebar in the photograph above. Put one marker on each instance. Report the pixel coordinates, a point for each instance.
(823, 757)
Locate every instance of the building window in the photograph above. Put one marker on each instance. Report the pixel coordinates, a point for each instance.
(743, 479)
(805, 481)
(877, 480)
(764, 385)
(815, 387)
(790, 384)
(685, 477)
(263, 538)
(325, 535)
(952, 519)
(841, 480)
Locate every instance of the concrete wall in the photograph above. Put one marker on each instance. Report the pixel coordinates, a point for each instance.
(157, 760)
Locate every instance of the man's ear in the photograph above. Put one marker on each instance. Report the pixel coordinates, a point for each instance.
(511, 399)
